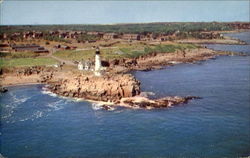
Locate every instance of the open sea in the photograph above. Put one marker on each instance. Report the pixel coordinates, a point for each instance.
(35, 123)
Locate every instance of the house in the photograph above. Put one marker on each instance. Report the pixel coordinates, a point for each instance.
(80, 65)
(131, 37)
(109, 36)
(87, 65)
(147, 37)
(92, 33)
(209, 35)
(5, 36)
(99, 34)
(240, 25)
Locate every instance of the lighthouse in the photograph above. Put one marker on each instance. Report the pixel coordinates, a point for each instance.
(97, 62)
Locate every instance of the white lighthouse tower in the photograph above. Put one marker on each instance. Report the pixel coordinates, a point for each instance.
(97, 62)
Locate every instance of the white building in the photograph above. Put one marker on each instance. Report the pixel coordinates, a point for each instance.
(80, 66)
(87, 65)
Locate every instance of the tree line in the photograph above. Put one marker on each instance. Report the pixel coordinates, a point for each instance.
(167, 28)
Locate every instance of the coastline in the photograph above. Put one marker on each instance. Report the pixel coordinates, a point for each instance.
(117, 86)
(228, 41)
(143, 63)
(26, 80)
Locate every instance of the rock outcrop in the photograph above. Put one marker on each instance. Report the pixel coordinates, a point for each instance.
(111, 90)
(3, 89)
(151, 61)
(143, 102)
(105, 88)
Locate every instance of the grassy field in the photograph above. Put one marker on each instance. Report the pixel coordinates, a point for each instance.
(12, 55)
(22, 62)
(123, 51)
(119, 50)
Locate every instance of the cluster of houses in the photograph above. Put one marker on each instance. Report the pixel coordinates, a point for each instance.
(104, 36)
(76, 34)
(29, 48)
(207, 35)
(24, 35)
(240, 25)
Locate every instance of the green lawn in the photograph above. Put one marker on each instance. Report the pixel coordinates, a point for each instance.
(12, 55)
(122, 50)
(22, 62)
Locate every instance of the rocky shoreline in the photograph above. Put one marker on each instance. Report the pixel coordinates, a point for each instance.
(159, 60)
(109, 91)
(116, 86)
(146, 103)
(106, 88)
(228, 41)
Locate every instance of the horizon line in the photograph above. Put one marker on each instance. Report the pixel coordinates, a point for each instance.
(129, 23)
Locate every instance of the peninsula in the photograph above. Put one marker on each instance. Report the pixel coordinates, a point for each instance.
(95, 64)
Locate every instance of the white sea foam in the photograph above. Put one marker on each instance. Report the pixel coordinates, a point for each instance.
(8, 114)
(76, 99)
(18, 100)
(49, 93)
(96, 106)
(146, 94)
(13, 104)
(37, 114)
(111, 109)
(25, 119)
(8, 110)
(99, 106)
(32, 117)
(174, 62)
(58, 105)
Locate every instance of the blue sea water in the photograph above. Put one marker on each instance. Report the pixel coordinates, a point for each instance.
(37, 124)
(243, 36)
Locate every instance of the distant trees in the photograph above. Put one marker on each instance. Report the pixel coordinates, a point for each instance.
(167, 28)
(55, 38)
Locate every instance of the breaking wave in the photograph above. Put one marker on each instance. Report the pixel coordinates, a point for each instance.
(147, 94)
(17, 100)
(12, 105)
(100, 106)
(32, 117)
(96, 106)
(58, 105)
(45, 91)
